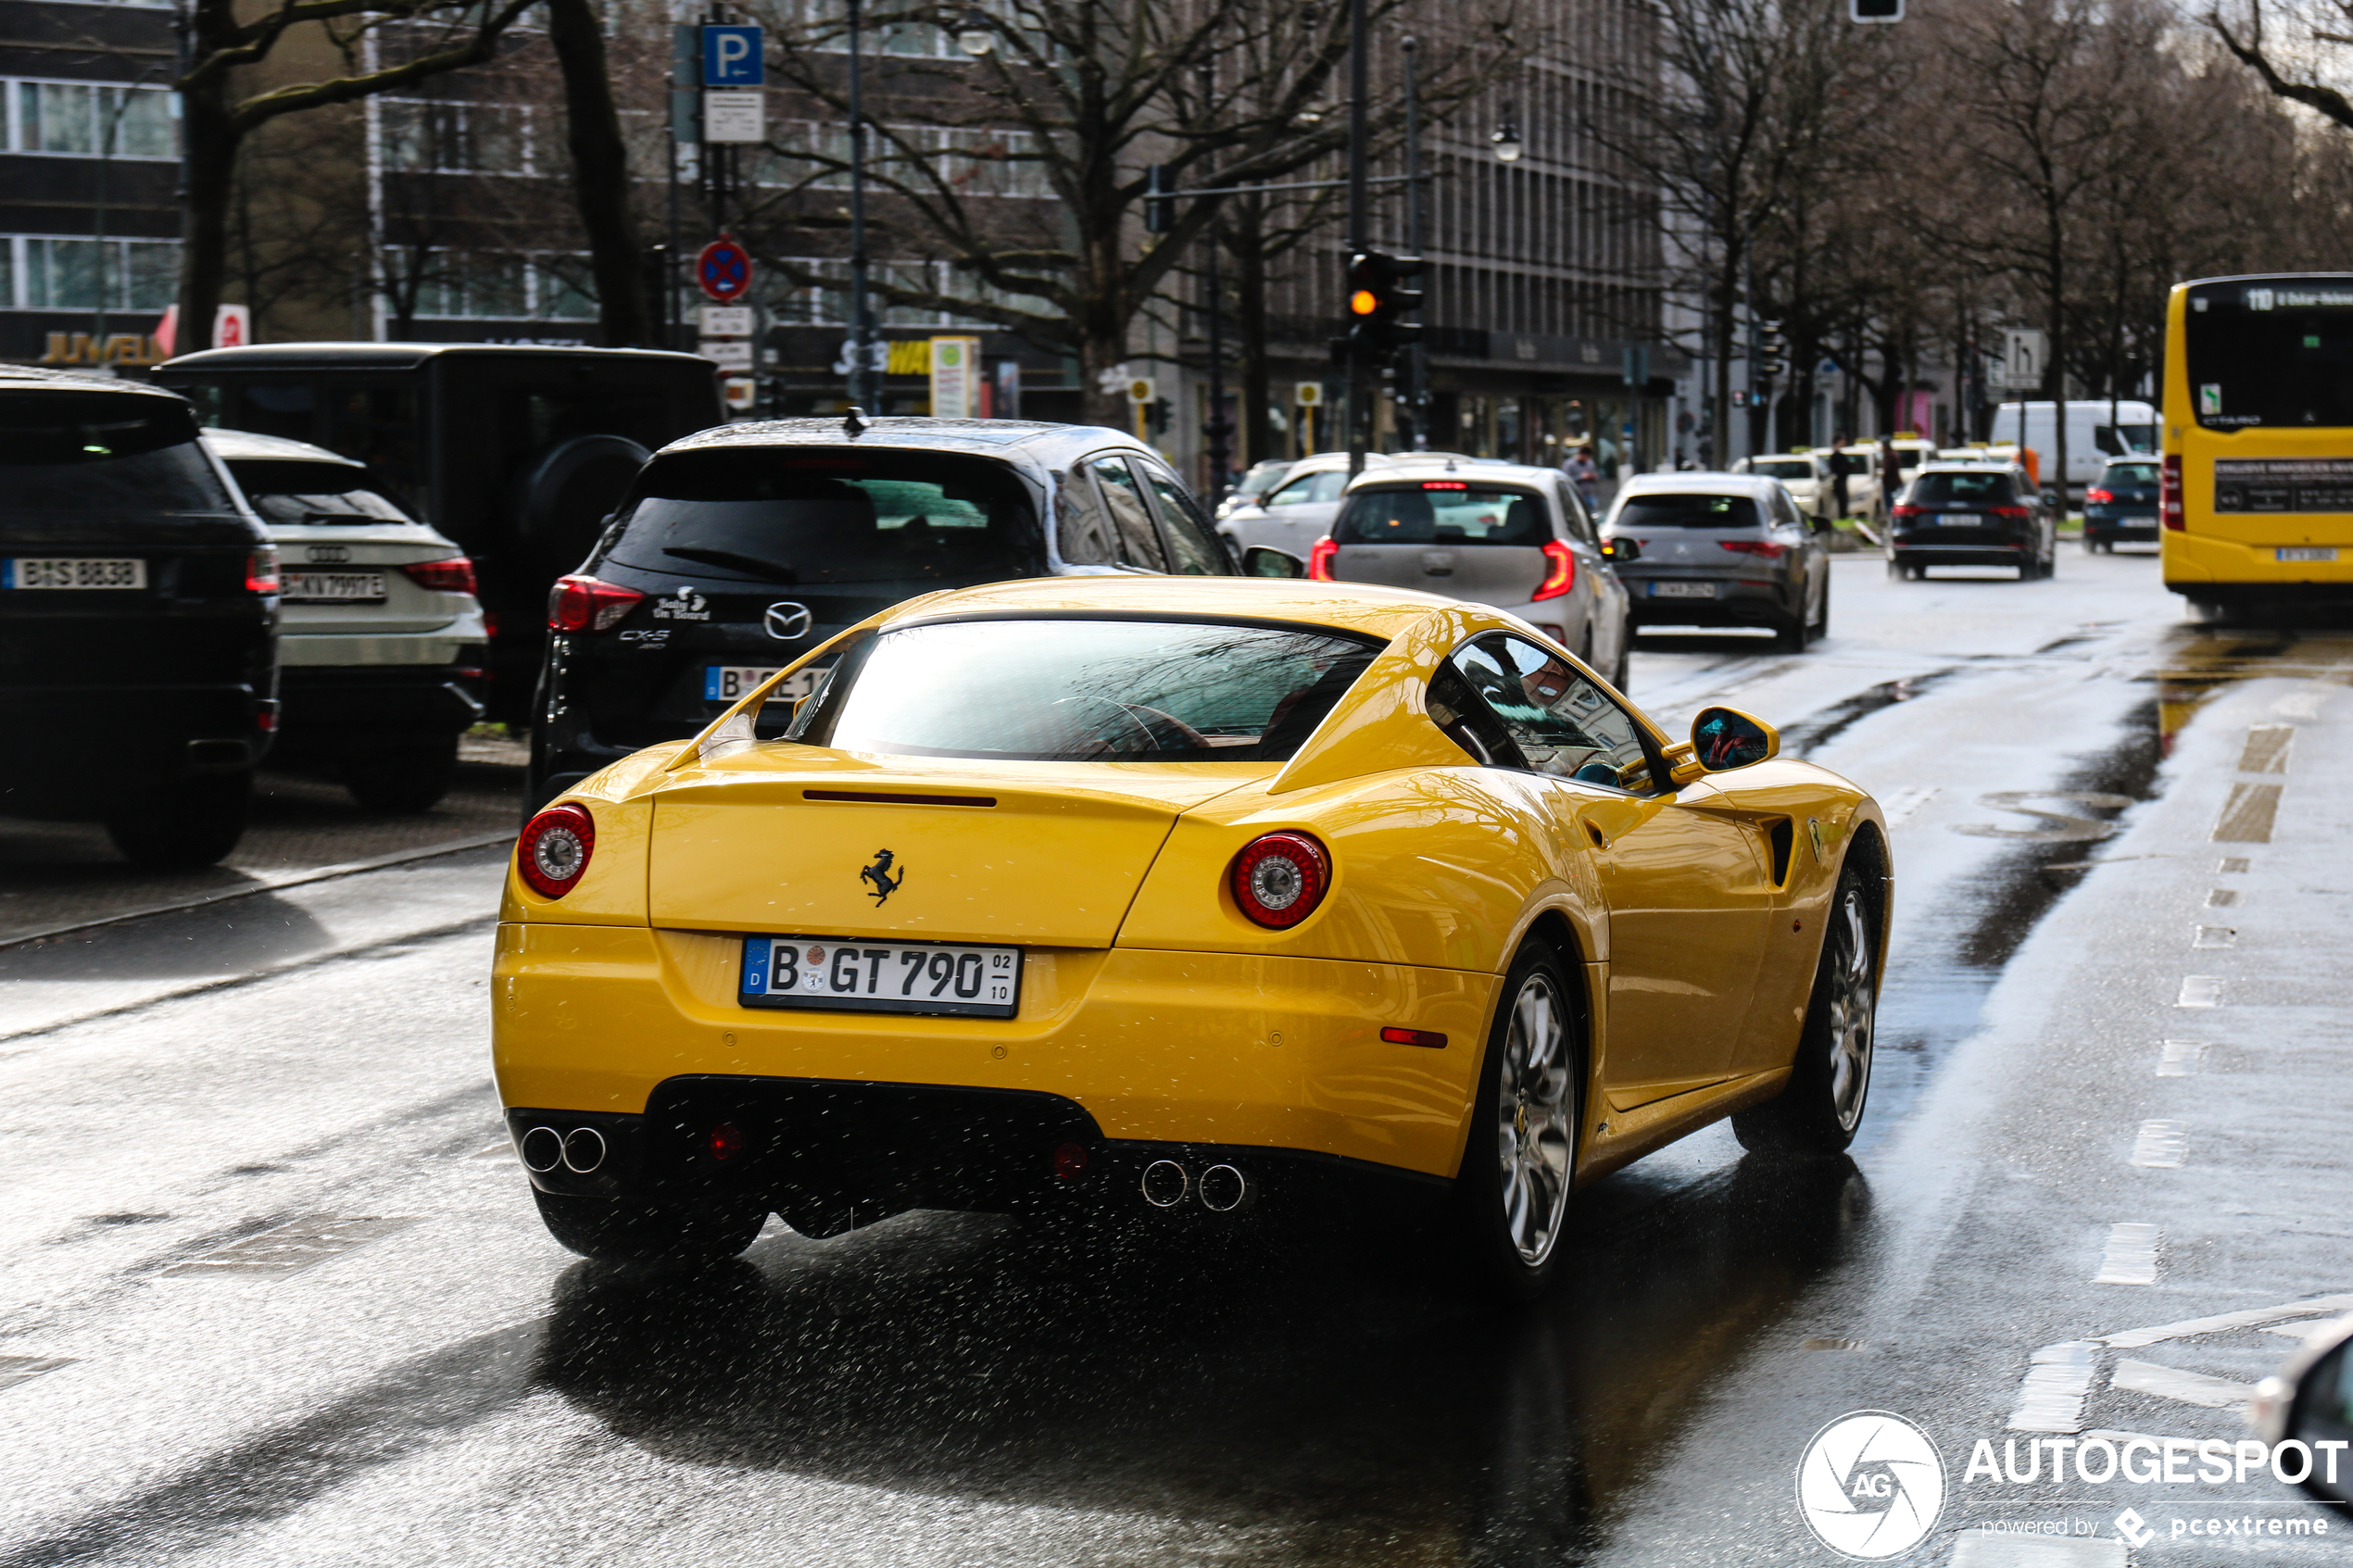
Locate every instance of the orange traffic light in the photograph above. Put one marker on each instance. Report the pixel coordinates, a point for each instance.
(1364, 302)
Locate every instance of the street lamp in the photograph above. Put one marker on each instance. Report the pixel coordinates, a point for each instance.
(973, 36)
(1506, 141)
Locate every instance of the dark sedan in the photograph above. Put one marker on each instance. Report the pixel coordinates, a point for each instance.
(2120, 505)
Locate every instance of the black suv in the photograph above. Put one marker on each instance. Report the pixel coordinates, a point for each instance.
(138, 618)
(739, 549)
(1969, 514)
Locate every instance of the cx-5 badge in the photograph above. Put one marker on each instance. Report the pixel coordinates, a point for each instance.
(785, 620)
(885, 884)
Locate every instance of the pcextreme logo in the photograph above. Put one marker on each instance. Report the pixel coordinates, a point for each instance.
(1870, 1486)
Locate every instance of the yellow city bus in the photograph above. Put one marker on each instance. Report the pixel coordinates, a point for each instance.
(2258, 483)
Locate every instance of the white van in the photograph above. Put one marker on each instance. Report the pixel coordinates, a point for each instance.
(2097, 431)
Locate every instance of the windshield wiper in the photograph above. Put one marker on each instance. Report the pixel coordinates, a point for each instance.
(736, 561)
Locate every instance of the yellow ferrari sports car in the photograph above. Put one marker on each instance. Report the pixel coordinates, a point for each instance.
(1178, 897)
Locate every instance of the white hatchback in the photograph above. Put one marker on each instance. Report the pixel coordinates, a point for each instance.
(381, 644)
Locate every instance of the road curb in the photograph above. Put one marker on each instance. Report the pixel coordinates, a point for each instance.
(269, 885)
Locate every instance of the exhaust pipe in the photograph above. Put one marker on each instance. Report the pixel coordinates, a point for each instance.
(1226, 1189)
(543, 1149)
(583, 1151)
(1165, 1183)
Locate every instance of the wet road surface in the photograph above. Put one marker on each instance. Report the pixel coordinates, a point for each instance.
(274, 1292)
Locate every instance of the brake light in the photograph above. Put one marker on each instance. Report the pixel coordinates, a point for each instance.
(1279, 879)
(1560, 571)
(1319, 560)
(2016, 514)
(1766, 548)
(583, 604)
(2099, 496)
(261, 572)
(1904, 514)
(552, 853)
(452, 574)
(2169, 494)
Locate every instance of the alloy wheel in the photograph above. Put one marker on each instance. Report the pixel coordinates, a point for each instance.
(1535, 1126)
(1851, 1008)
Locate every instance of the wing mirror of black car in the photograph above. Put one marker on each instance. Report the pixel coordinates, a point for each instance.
(1725, 738)
(1265, 560)
(2304, 1412)
(1621, 550)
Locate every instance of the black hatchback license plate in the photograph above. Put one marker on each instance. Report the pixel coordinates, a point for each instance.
(940, 978)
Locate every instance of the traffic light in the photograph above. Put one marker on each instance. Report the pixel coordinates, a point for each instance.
(1379, 294)
(1772, 350)
(1875, 11)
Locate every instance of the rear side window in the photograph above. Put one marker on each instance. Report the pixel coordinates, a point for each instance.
(1194, 551)
(99, 453)
(805, 517)
(294, 494)
(1962, 490)
(1556, 721)
(1442, 511)
(1323, 486)
(1131, 516)
(1687, 511)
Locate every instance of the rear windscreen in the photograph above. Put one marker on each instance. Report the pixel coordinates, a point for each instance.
(1784, 470)
(1442, 511)
(1087, 690)
(1962, 490)
(2271, 352)
(798, 517)
(295, 492)
(2129, 473)
(1687, 511)
(104, 453)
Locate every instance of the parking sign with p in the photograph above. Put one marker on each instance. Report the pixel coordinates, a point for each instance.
(731, 57)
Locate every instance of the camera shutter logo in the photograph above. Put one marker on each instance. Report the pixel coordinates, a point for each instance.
(785, 620)
(1870, 1486)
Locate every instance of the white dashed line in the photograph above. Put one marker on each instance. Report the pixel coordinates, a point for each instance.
(2170, 1383)
(2160, 1145)
(2215, 936)
(2231, 865)
(2181, 1058)
(2058, 1377)
(2222, 899)
(2199, 991)
(2131, 1256)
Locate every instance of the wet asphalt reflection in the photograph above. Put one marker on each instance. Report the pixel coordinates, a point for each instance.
(1341, 1394)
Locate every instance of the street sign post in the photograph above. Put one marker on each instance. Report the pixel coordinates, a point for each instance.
(1141, 390)
(955, 378)
(2024, 351)
(731, 57)
(738, 116)
(724, 270)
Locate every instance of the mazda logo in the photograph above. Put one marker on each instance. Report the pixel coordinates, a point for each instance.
(787, 621)
(327, 552)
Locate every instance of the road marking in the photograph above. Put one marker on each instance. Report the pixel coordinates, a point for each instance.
(2181, 1058)
(295, 1245)
(2215, 936)
(2067, 827)
(1983, 1549)
(2170, 1383)
(24, 1368)
(2161, 1145)
(2199, 991)
(1834, 1344)
(2058, 1379)
(2224, 1322)
(2305, 704)
(2246, 815)
(2267, 749)
(2130, 1256)
(1897, 807)
(2231, 865)
(2222, 897)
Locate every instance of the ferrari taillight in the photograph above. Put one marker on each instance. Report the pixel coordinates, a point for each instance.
(1319, 560)
(585, 604)
(1560, 571)
(552, 853)
(452, 574)
(2169, 494)
(1279, 879)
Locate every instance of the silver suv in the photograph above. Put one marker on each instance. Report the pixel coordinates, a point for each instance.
(382, 646)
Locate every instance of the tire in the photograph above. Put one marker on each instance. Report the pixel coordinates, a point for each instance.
(1790, 632)
(409, 776)
(1621, 674)
(1822, 617)
(1815, 1116)
(1511, 1196)
(196, 822)
(620, 1231)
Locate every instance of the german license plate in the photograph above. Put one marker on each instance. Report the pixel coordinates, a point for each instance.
(837, 976)
(73, 572)
(2305, 552)
(1957, 520)
(332, 587)
(1682, 590)
(725, 683)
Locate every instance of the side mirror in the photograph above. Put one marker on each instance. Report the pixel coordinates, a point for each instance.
(1265, 560)
(2309, 1402)
(1725, 738)
(1621, 550)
